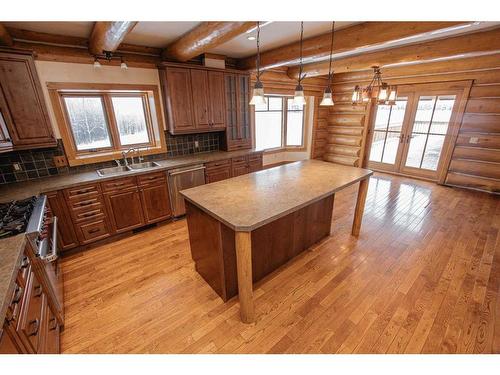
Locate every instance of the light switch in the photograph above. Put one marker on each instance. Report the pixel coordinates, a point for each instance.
(474, 140)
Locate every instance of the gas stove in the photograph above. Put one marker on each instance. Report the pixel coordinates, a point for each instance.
(15, 216)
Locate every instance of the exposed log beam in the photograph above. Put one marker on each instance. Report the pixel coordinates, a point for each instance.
(107, 35)
(5, 38)
(203, 37)
(418, 52)
(357, 36)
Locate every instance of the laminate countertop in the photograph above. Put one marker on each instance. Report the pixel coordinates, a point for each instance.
(247, 202)
(21, 190)
(11, 252)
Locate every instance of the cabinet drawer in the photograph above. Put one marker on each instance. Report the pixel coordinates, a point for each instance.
(13, 311)
(87, 204)
(51, 333)
(94, 231)
(240, 160)
(119, 184)
(30, 324)
(24, 269)
(82, 192)
(152, 179)
(88, 215)
(255, 158)
(218, 164)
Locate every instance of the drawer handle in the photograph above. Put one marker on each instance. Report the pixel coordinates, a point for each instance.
(119, 184)
(34, 326)
(89, 214)
(25, 262)
(85, 203)
(18, 293)
(38, 290)
(95, 230)
(83, 191)
(52, 324)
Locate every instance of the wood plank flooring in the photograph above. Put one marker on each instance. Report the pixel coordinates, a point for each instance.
(423, 277)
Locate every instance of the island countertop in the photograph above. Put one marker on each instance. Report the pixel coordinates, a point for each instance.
(247, 202)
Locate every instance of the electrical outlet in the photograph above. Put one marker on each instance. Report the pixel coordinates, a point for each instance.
(17, 167)
(60, 161)
(196, 144)
(474, 140)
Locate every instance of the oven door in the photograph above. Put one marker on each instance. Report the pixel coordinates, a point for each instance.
(49, 262)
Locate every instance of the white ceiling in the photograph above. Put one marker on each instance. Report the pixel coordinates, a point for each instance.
(160, 34)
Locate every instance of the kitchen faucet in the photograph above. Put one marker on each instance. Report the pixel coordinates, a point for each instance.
(125, 153)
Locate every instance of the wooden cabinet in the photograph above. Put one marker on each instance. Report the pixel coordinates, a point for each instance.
(194, 99)
(66, 233)
(154, 197)
(237, 93)
(239, 166)
(217, 171)
(178, 99)
(24, 121)
(123, 203)
(255, 162)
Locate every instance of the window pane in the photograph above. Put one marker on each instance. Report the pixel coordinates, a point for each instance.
(275, 103)
(88, 122)
(292, 106)
(262, 106)
(416, 150)
(442, 114)
(267, 130)
(391, 147)
(131, 120)
(294, 128)
(397, 115)
(424, 114)
(383, 112)
(377, 146)
(433, 152)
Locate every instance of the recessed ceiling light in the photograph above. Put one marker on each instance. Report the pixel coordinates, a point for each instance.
(251, 37)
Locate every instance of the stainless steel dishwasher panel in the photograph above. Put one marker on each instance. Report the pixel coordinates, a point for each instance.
(180, 179)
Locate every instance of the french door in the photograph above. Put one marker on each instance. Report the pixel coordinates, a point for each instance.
(410, 136)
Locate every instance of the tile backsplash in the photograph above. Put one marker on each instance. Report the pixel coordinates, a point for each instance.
(39, 163)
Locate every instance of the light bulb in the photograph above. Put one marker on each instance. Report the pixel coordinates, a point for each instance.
(97, 64)
(123, 65)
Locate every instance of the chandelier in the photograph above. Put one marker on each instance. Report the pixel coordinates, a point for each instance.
(377, 89)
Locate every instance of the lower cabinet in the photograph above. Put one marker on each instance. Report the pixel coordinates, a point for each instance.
(125, 209)
(217, 171)
(155, 203)
(238, 166)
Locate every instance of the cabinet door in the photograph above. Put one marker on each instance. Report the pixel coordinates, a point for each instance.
(5, 141)
(216, 95)
(155, 203)
(22, 103)
(231, 107)
(199, 85)
(125, 210)
(243, 107)
(179, 100)
(66, 232)
(218, 174)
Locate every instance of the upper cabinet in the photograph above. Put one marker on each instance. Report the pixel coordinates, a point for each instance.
(194, 99)
(237, 94)
(24, 121)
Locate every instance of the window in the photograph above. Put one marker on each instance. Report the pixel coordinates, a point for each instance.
(279, 124)
(99, 124)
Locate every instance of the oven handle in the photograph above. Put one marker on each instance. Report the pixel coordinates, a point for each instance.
(53, 254)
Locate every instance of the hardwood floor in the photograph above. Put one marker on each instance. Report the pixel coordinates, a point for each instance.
(423, 277)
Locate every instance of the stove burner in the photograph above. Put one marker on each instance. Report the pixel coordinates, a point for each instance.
(14, 216)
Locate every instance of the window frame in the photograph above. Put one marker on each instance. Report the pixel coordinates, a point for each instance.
(152, 114)
(284, 125)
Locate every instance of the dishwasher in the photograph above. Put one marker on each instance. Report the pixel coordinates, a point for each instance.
(181, 179)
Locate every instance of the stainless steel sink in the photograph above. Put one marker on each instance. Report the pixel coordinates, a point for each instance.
(146, 164)
(112, 170)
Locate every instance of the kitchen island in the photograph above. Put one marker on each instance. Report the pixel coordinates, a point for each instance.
(244, 228)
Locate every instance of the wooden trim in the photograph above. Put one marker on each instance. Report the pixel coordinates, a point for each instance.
(243, 244)
(58, 90)
(5, 38)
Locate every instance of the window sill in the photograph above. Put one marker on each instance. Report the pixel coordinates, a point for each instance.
(283, 149)
(111, 155)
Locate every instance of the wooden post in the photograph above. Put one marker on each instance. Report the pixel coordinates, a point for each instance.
(360, 206)
(244, 269)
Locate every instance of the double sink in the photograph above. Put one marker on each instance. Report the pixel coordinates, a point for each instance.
(126, 168)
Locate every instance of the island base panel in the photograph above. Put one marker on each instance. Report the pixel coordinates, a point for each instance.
(213, 246)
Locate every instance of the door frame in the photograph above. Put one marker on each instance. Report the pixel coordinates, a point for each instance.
(460, 89)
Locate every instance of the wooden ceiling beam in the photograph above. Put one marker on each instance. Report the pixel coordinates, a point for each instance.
(356, 36)
(205, 36)
(419, 52)
(107, 35)
(5, 38)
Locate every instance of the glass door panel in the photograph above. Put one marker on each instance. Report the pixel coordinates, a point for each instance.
(426, 135)
(387, 134)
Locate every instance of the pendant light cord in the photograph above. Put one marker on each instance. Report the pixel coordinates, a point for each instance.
(331, 53)
(258, 51)
(301, 42)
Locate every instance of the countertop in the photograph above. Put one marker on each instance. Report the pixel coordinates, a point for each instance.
(11, 252)
(20, 190)
(247, 202)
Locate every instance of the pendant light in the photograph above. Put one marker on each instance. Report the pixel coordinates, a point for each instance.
(385, 94)
(97, 64)
(327, 95)
(258, 89)
(298, 97)
(123, 65)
